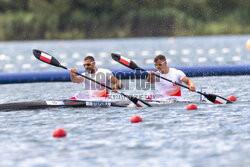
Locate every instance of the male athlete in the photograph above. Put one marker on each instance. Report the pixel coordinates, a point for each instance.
(101, 75)
(165, 87)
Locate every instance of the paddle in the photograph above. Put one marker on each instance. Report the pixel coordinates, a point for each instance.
(45, 57)
(130, 64)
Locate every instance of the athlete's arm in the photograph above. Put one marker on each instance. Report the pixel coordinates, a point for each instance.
(74, 78)
(190, 83)
(151, 77)
(117, 84)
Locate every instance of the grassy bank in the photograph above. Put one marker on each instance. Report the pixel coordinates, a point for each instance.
(65, 19)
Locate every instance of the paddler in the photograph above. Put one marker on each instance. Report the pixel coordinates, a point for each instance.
(165, 87)
(101, 75)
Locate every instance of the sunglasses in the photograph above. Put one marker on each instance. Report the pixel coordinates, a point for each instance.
(158, 65)
(87, 65)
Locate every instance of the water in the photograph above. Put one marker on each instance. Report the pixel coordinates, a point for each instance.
(181, 51)
(213, 135)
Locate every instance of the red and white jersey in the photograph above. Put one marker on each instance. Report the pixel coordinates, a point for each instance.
(101, 75)
(167, 88)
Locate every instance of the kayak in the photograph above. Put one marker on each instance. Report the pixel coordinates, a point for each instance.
(58, 103)
(43, 104)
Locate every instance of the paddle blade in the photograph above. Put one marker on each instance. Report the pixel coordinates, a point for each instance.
(216, 99)
(125, 61)
(139, 102)
(45, 57)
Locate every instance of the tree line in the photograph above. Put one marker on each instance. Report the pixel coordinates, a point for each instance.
(79, 19)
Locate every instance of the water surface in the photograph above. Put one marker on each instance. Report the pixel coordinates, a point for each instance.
(213, 135)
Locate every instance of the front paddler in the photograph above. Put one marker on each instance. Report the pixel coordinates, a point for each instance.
(165, 87)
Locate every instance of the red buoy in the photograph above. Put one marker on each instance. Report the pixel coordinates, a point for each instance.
(191, 107)
(59, 132)
(136, 119)
(231, 98)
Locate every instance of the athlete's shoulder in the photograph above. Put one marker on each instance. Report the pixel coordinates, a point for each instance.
(104, 70)
(180, 73)
(175, 70)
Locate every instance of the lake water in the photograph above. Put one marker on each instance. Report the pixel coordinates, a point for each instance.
(213, 135)
(180, 51)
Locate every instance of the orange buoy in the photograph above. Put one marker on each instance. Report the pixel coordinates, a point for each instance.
(59, 132)
(191, 107)
(136, 119)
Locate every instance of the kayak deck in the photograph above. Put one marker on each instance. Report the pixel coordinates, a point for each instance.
(75, 103)
(58, 103)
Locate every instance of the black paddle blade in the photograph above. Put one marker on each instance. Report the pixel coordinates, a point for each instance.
(139, 102)
(45, 57)
(216, 99)
(125, 61)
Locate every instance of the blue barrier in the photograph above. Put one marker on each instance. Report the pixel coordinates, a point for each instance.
(63, 76)
(49, 76)
(216, 70)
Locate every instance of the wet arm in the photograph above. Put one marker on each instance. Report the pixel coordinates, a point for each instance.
(190, 83)
(116, 82)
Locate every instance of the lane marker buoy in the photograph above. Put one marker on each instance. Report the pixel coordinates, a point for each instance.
(59, 133)
(136, 119)
(191, 107)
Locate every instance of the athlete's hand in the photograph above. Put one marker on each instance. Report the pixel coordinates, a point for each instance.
(151, 76)
(74, 78)
(151, 73)
(192, 87)
(73, 71)
(114, 88)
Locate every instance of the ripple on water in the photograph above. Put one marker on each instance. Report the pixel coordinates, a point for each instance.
(213, 135)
